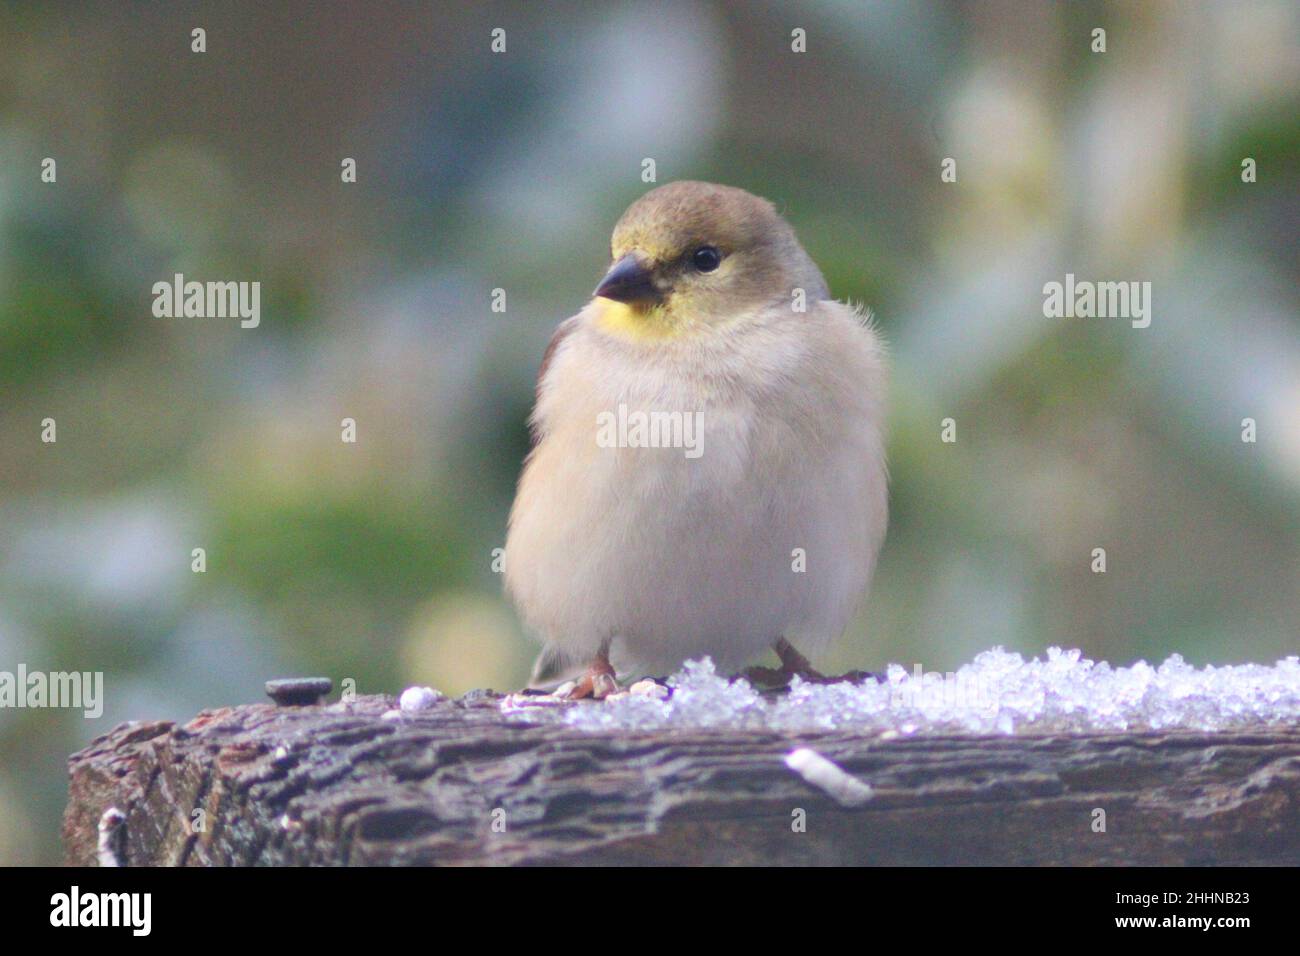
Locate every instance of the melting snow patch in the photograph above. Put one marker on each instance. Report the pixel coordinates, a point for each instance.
(997, 693)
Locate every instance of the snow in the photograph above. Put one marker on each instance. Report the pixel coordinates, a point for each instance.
(416, 699)
(999, 692)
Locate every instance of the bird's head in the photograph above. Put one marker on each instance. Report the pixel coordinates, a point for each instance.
(690, 256)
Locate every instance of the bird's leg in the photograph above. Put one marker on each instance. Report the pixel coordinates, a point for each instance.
(792, 664)
(598, 681)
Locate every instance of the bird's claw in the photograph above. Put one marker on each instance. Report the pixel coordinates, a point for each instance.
(780, 676)
(597, 683)
(777, 677)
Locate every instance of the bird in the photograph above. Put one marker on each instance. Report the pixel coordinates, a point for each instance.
(707, 476)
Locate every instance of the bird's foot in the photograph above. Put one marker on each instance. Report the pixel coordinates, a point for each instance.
(793, 664)
(766, 676)
(778, 677)
(860, 677)
(597, 682)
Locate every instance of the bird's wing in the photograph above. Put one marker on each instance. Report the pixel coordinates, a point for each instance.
(553, 665)
(552, 347)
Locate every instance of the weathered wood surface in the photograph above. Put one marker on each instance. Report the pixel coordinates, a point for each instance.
(339, 785)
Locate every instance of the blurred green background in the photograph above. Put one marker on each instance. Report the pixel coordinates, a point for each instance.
(479, 171)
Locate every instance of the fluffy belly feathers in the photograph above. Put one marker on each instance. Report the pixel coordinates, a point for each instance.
(770, 531)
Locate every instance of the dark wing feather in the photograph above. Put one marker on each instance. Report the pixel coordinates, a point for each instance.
(560, 334)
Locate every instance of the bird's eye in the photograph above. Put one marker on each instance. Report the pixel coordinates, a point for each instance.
(706, 258)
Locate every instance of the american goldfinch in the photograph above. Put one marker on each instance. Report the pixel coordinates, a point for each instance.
(708, 472)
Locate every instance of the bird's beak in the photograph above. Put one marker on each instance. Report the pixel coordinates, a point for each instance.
(628, 280)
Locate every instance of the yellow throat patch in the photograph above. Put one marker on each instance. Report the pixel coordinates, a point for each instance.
(635, 322)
